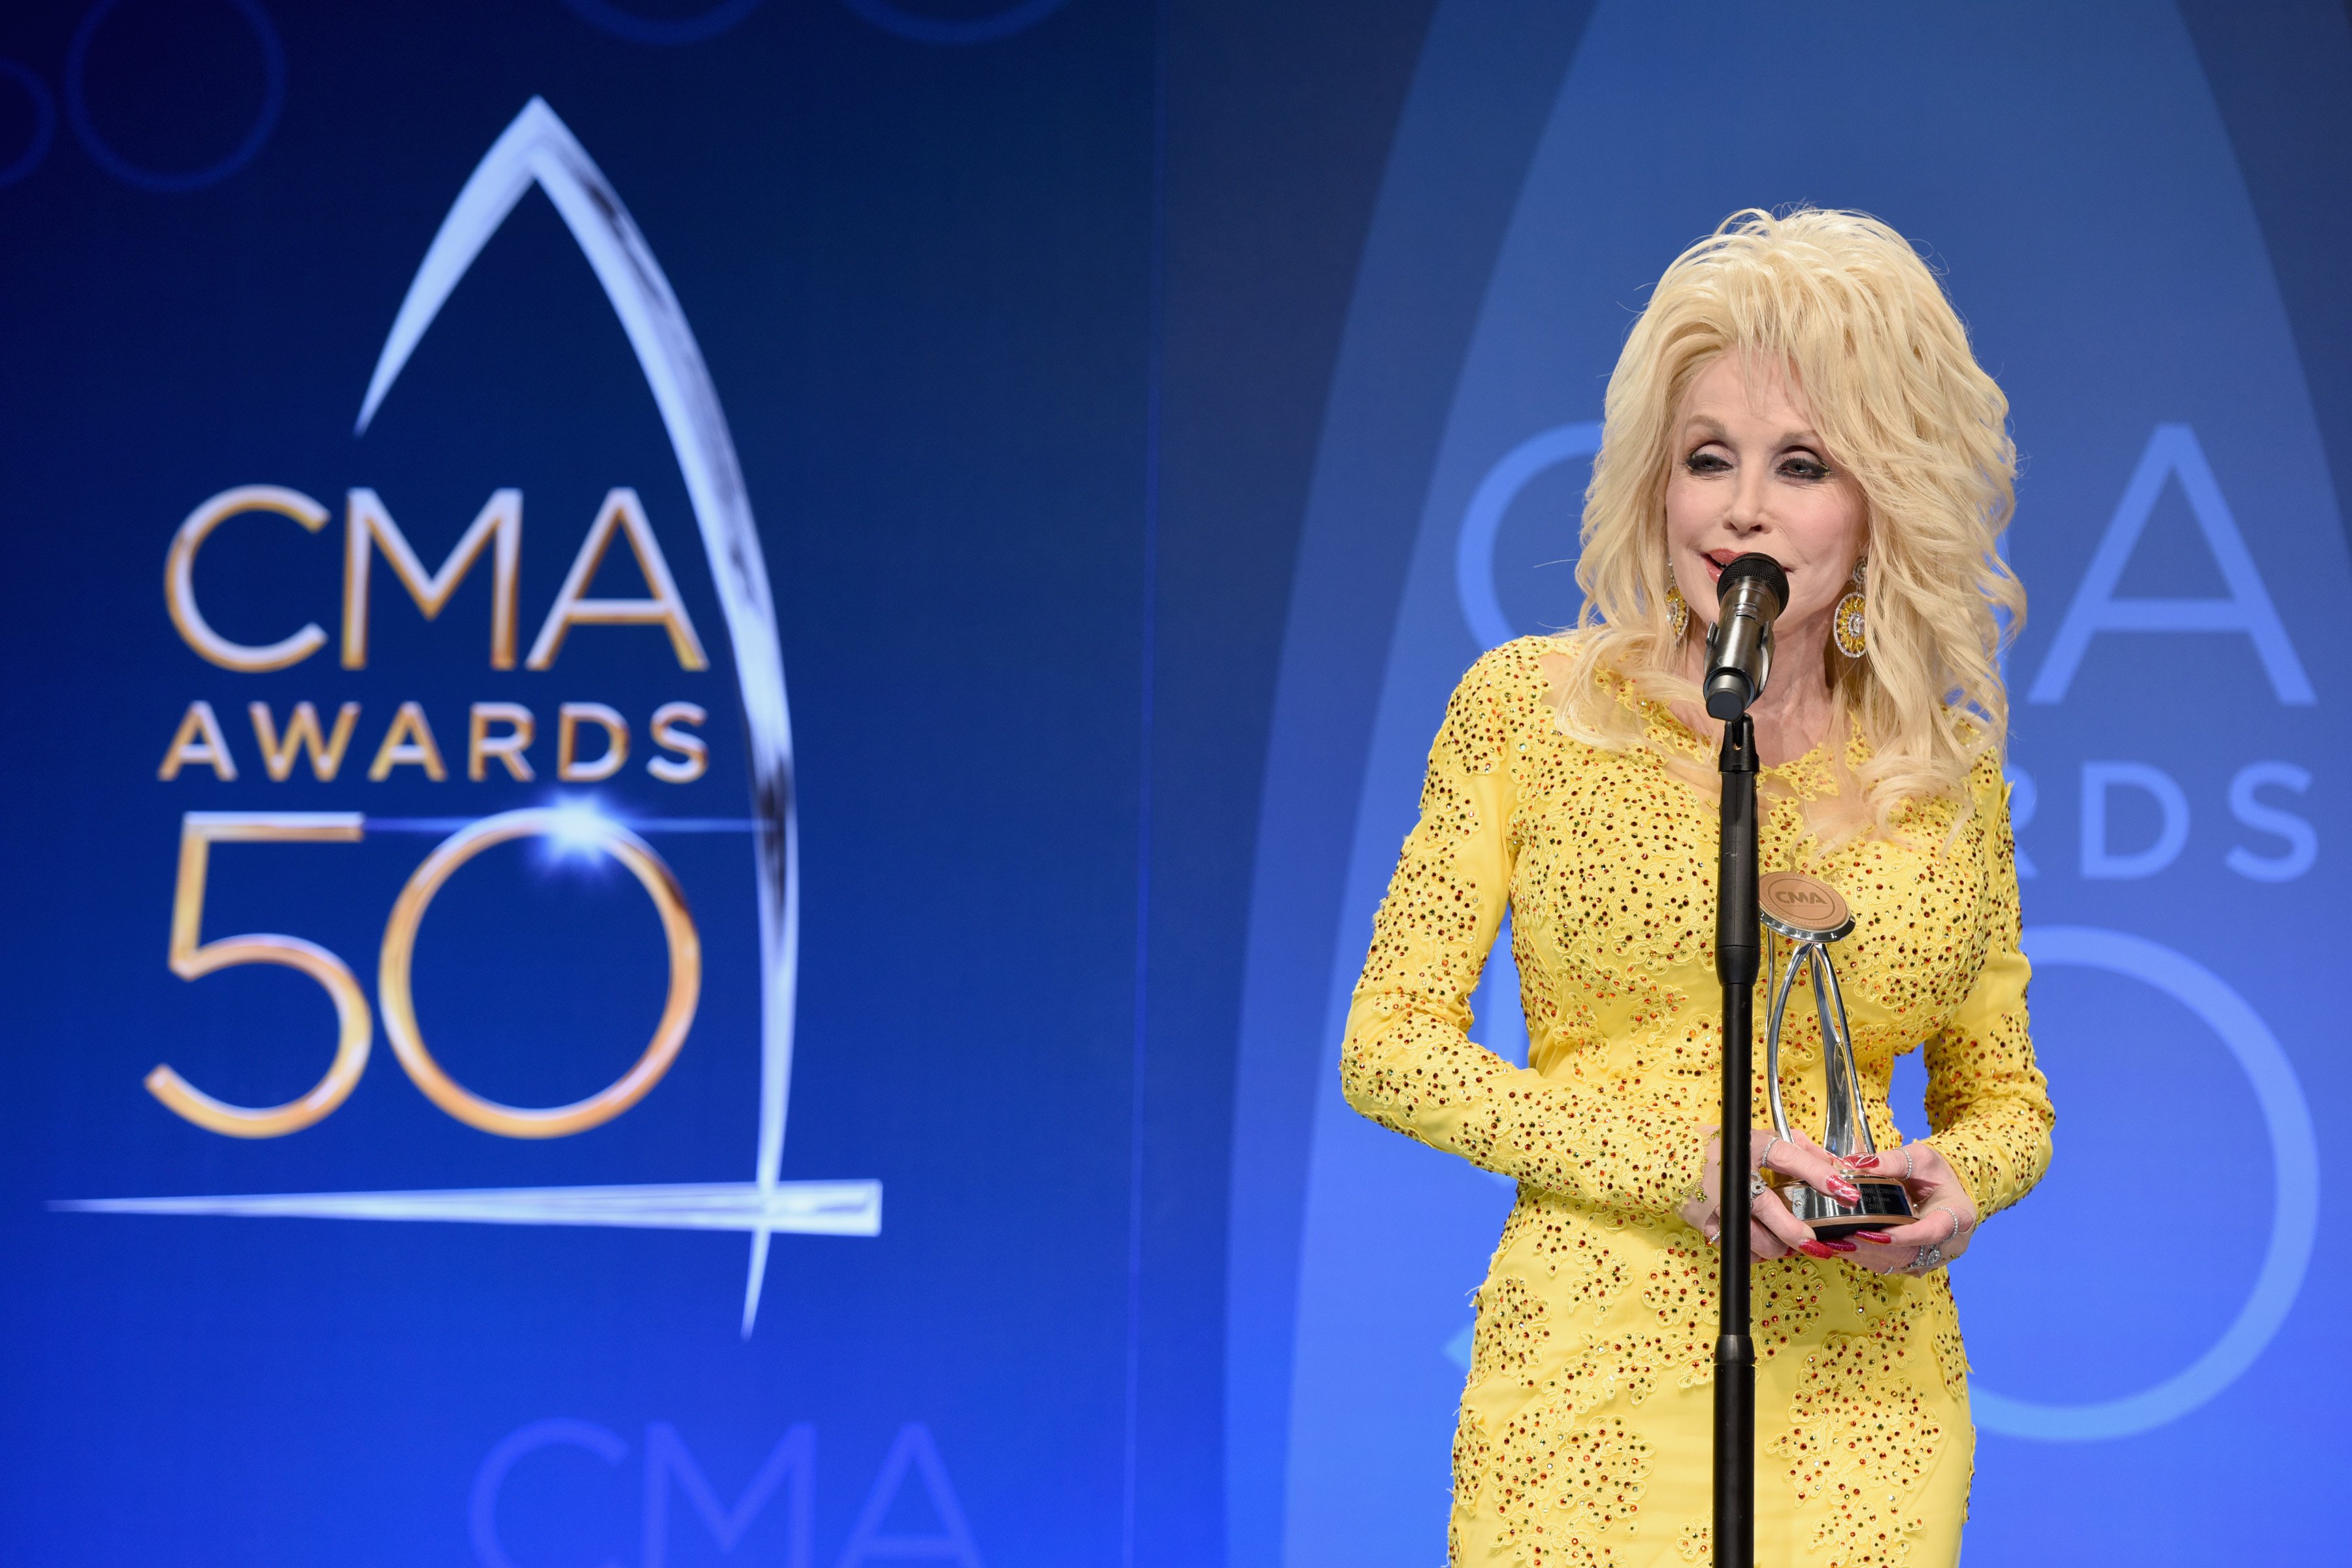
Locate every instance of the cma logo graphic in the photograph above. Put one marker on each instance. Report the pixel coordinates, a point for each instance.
(496, 731)
(592, 741)
(911, 1482)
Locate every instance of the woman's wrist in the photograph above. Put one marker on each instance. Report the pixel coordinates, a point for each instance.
(1959, 1191)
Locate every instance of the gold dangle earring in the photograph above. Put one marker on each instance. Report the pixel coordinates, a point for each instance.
(1849, 628)
(1677, 611)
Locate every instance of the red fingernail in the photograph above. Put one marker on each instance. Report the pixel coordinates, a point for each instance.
(1816, 1249)
(1847, 1191)
(1880, 1237)
(1867, 1162)
(1842, 1246)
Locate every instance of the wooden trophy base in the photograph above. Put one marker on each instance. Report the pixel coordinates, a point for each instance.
(1886, 1201)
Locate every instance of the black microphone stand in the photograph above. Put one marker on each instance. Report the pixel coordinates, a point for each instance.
(1737, 958)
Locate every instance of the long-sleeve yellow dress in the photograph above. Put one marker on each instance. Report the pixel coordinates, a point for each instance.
(1585, 1431)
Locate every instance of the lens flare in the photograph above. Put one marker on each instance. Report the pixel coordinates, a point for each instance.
(582, 829)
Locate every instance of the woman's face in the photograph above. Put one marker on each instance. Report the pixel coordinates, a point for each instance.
(1749, 474)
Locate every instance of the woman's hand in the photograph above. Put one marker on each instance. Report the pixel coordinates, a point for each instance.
(1944, 1218)
(1772, 1230)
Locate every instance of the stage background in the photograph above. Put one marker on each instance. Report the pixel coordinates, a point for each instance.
(1145, 411)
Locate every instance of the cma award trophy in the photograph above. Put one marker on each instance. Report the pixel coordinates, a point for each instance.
(1803, 916)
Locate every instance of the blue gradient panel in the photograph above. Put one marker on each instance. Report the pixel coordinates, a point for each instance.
(2135, 1378)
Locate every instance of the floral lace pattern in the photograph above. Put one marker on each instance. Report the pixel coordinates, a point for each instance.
(1596, 1324)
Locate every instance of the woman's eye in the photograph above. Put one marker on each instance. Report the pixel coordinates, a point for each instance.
(1706, 463)
(1805, 469)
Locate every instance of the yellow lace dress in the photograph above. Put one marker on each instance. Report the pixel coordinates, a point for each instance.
(1585, 1432)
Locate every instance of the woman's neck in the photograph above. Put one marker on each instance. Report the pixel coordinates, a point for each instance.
(1793, 715)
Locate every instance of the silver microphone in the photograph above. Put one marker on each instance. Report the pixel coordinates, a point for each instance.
(1749, 593)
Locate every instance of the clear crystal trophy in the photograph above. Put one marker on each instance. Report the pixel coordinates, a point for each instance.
(1803, 917)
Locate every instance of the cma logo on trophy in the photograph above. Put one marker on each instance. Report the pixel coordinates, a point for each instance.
(591, 743)
(1790, 896)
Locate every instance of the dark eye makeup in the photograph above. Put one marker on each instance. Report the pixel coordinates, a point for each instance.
(1801, 466)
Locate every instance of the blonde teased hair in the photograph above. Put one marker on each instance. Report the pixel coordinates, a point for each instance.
(1886, 371)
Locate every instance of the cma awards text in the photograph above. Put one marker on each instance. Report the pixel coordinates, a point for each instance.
(591, 743)
(591, 740)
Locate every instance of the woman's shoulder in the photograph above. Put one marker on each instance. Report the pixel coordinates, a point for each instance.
(1988, 775)
(1968, 817)
(1521, 682)
(1523, 662)
(1516, 691)
(1535, 668)
(1501, 696)
(1988, 794)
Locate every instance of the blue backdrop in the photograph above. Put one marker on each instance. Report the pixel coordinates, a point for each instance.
(975, 507)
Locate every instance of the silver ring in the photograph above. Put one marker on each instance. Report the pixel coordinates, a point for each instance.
(1906, 1162)
(1926, 1260)
(1769, 1145)
(1756, 1187)
(1955, 1233)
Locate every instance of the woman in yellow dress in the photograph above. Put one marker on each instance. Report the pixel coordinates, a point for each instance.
(1797, 385)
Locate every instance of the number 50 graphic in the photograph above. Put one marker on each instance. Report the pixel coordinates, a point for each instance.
(192, 960)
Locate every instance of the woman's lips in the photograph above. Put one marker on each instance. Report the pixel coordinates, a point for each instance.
(1717, 560)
